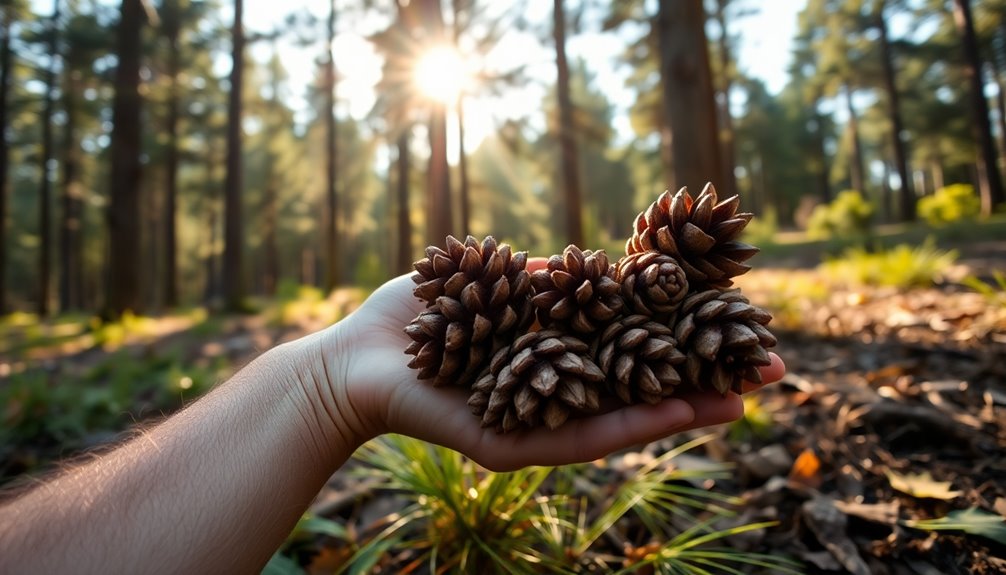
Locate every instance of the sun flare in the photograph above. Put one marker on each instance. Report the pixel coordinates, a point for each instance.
(441, 74)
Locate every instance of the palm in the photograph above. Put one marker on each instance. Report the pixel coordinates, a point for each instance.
(386, 387)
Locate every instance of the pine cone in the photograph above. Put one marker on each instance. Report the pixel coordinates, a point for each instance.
(542, 378)
(478, 297)
(700, 234)
(653, 283)
(724, 338)
(576, 293)
(639, 356)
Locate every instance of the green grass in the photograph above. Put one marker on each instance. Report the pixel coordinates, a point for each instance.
(46, 416)
(993, 292)
(460, 518)
(902, 266)
(795, 245)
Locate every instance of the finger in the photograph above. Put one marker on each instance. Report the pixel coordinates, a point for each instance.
(582, 440)
(535, 264)
(769, 374)
(714, 409)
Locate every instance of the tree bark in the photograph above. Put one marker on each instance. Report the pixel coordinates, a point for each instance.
(124, 210)
(821, 158)
(856, 171)
(211, 289)
(171, 26)
(403, 253)
(906, 193)
(729, 184)
(233, 277)
(1000, 108)
(438, 208)
(464, 187)
(567, 136)
(45, 186)
(691, 134)
(989, 180)
(333, 277)
(270, 246)
(6, 61)
(71, 276)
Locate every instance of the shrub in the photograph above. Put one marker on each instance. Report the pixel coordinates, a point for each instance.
(950, 204)
(762, 230)
(994, 292)
(902, 266)
(848, 214)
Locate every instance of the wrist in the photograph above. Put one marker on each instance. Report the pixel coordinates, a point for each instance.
(334, 421)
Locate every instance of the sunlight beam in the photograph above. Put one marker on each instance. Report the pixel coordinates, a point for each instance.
(441, 74)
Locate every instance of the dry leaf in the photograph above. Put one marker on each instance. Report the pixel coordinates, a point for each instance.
(806, 470)
(921, 485)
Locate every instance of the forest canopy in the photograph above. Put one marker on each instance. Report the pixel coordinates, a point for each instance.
(159, 153)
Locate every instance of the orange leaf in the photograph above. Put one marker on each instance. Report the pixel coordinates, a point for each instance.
(806, 470)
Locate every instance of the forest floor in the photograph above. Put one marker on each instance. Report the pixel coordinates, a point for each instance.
(893, 411)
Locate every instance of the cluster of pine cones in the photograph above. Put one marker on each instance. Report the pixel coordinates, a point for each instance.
(536, 348)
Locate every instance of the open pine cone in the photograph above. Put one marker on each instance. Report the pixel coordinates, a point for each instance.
(701, 234)
(478, 297)
(653, 283)
(543, 378)
(576, 292)
(724, 338)
(639, 356)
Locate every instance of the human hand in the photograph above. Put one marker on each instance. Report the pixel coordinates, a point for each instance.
(387, 397)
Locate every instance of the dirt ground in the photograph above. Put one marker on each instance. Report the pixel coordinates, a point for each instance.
(893, 410)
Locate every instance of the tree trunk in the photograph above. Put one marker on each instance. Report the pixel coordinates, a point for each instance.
(45, 187)
(270, 256)
(6, 61)
(333, 277)
(438, 204)
(936, 167)
(856, 173)
(729, 184)
(233, 278)
(270, 247)
(171, 30)
(1001, 109)
(71, 241)
(687, 91)
(124, 207)
(989, 179)
(567, 133)
(211, 289)
(464, 187)
(906, 194)
(403, 253)
(821, 158)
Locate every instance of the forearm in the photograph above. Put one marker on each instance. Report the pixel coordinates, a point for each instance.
(215, 488)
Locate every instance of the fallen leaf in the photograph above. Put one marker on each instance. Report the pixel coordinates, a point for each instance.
(921, 485)
(973, 521)
(806, 470)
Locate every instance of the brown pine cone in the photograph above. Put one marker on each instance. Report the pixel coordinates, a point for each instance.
(639, 357)
(478, 297)
(652, 283)
(542, 378)
(576, 292)
(723, 338)
(700, 234)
